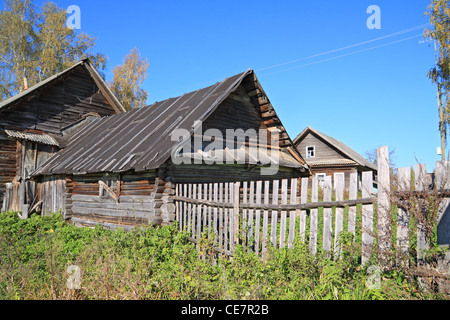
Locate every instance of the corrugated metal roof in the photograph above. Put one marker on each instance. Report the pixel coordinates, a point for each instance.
(339, 145)
(141, 139)
(39, 138)
(330, 162)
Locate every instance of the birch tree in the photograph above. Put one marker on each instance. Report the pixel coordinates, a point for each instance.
(127, 81)
(36, 43)
(439, 13)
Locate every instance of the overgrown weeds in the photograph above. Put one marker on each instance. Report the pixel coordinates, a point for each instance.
(160, 263)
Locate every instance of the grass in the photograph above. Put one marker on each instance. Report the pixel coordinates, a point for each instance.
(160, 263)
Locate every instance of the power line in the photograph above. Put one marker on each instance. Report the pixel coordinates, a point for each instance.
(347, 47)
(344, 55)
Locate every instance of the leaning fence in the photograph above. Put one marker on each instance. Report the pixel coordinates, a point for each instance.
(280, 213)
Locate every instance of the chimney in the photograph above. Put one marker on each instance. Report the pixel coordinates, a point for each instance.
(25, 83)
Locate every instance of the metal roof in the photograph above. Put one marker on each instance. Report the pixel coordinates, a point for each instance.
(330, 162)
(39, 138)
(352, 154)
(140, 139)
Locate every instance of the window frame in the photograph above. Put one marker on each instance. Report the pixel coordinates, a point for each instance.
(313, 151)
(112, 181)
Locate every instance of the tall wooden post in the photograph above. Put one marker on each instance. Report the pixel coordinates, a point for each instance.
(384, 207)
(404, 184)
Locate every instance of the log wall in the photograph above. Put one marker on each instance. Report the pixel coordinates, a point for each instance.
(135, 203)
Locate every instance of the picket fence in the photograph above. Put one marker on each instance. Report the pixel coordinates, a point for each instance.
(256, 214)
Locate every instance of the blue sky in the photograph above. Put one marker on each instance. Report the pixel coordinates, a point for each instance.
(366, 96)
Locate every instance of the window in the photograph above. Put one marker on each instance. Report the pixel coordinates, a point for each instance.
(108, 186)
(310, 151)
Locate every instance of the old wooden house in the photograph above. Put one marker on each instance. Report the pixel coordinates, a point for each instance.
(123, 169)
(34, 123)
(327, 156)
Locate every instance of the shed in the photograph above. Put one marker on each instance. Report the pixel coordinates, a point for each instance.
(33, 122)
(122, 169)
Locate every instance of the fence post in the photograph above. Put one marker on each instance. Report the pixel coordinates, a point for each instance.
(274, 220)
(327, 216)
(367, 217)
(422, 239)
(352, 209)
(384, 206)
(303, 199)
(443, 222)
(339, 221)
(314, 217)
(292, 214)
(168, 206)
(404, 184)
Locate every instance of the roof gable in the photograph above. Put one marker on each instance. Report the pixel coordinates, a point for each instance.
(337, 145)
(53, 79)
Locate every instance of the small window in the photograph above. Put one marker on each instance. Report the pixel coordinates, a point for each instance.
(108, 186)
(311, 152)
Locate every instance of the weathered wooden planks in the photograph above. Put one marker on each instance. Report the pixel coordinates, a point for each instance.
(404, 184)
(384, 206)
(269, 205)
(367, 217)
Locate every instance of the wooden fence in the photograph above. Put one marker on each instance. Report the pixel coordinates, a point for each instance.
(256, 214)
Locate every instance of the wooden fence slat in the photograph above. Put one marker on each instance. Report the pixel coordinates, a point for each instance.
(421, 185)
(274, 220)
(221, 217)
(353, 195)
(185, 206)
(293, 213)
(367, 217)
(442, 183)
(327, 215)
(210, 223)
(235, 224)
(303, 199)
(205, 209)
(244, 213)
(314, 217)
(225, 219)
(404, 184)
(194, 212)
(383, 206)
(216, 190)
(284, 198)
(339, 182)
(250, 215)
(199, 213)
(189, 208)
(258, 215)
(178, 212)
(265, 219)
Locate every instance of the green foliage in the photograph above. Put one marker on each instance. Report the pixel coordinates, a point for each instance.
(128, 79)
(160, 263)
(36, 43)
